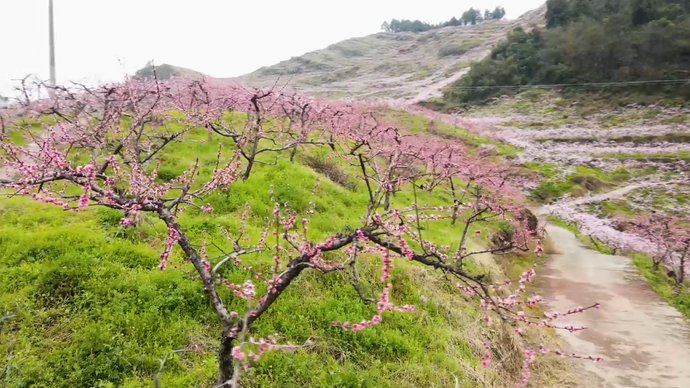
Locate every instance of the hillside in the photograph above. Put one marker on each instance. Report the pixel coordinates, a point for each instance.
(166, 71)
(409, 66)
(629, 46)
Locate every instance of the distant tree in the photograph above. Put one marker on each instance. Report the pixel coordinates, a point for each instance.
(471, 16)
(405, 25)
(582, 8)
(453, 21)
(419, 26)
(497, 14)
(386, 26)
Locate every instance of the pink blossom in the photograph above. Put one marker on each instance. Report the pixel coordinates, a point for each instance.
(238, 354)
(486, 358)
(529, 358)
(173, 238)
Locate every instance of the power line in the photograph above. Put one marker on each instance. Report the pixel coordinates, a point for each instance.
(585, 84)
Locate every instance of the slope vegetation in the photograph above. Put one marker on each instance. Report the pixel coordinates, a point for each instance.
(620, 41)
(82, 302)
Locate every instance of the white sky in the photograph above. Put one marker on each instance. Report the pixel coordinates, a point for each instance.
(102, 40)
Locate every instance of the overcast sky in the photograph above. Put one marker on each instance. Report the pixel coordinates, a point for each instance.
(102, 40)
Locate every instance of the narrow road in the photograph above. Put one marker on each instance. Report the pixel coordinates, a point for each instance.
(435, 89)
(644, 341)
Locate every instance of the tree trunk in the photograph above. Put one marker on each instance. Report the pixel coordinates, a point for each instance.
(681, 270)
(251, 157)
(456, 203)
(293, 153)
(225, 359)
(248, 169)
(227, 342)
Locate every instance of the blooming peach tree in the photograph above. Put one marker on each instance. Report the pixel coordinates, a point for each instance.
(669, 240)
(104, 147)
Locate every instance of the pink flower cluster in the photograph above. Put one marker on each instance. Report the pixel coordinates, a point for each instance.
(247, 291)
(173, 238)
(486, 358)
(255, 349)
(528, 360)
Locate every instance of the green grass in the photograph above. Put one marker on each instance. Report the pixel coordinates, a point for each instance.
(546, 170)
(584, 180)
(455, 49)
(658, 156)
(90, 308)
(663, 285)
(670, 201)
(551, 109)
(418, 124)
(643, 139)
(614, 208)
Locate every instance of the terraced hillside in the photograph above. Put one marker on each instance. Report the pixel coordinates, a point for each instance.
(610, 167)
(409, 66)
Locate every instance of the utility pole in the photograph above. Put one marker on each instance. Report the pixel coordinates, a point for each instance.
(52, 43)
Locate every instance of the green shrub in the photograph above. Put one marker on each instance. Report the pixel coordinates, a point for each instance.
(452, 50)
(548, 190)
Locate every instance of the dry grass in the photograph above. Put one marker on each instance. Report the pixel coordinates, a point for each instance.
(330, 169)
(507, 347)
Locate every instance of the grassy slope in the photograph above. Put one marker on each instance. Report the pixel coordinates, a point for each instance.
(92, 309)
(663, 284)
